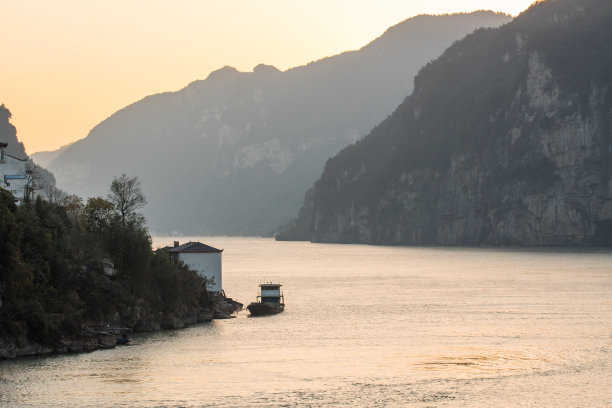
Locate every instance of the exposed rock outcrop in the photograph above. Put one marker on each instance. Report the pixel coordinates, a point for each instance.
(21, 346)
(506, 140)
(8, 134)
(90, 339)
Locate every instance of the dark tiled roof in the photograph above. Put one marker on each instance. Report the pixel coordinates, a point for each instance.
(4, 144)
(15, 157)
(194, 247)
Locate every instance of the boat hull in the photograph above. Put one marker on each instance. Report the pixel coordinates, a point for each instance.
(106, 340)
(123, 340)
(263, 309)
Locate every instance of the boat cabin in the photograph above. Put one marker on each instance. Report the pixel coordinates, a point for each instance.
(271, 293)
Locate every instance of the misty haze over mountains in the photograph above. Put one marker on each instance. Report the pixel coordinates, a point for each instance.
(235, 153)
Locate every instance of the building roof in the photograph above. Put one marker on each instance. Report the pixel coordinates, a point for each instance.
(194, 247)
(15, 157)
(276, 285)
(4, 145)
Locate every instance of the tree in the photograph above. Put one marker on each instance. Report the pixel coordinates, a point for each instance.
(54, 194)
(98, 215)
(128, 240)
(5, 114)
(14, 274)
(127, 197)
(73, 205)
(34, 179)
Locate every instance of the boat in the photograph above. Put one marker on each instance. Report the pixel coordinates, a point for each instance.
(109, 337)
(270, 300)
(123, 340)
(106, 339)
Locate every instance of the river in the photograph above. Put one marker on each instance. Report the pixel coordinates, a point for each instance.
(364, 326)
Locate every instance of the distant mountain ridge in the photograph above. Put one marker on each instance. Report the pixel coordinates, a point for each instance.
(44, 158)
(234, 153)
(506, 140)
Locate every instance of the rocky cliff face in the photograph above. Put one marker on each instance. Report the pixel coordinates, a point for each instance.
(19, 344)
(506, 140)
(8, 134)
(43, 179)
(233, 154)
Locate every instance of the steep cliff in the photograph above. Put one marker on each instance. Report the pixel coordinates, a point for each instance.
(8, 134)
(506, 140)
(41, 180)
(234, 153)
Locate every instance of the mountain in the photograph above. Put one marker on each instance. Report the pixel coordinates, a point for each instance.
(506, 140)
(234, 153)
(44, 158)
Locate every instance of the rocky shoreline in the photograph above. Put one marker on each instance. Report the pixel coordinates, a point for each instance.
(88, 340)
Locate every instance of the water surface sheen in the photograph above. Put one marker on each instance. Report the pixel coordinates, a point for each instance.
(364, 326)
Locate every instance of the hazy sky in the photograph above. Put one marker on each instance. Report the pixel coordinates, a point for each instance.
(66, 65)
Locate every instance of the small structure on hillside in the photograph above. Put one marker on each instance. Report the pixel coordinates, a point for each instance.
(12, 173)
(108, 267)
(203, 259)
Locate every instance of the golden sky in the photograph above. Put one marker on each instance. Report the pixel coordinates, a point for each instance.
(68, 64)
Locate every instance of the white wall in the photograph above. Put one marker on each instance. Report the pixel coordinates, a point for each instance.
(13, 167)
(206, 264)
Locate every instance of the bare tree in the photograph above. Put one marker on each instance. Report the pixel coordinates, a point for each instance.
(34, 179)
(54, 194)
(127, 197)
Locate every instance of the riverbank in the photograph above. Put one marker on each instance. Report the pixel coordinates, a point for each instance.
(86, 340)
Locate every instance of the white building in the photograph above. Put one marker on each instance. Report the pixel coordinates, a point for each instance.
(12, 173)
(203, 259)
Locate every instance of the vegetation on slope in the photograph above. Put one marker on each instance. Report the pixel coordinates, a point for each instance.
(52, 280)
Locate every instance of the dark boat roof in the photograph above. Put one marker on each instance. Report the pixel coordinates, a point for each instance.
(195, 247)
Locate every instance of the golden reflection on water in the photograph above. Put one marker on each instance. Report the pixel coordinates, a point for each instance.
(495, 362)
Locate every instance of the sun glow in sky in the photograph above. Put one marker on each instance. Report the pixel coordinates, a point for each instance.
(68, 64)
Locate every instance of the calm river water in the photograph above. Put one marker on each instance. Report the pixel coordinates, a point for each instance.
(364, 326)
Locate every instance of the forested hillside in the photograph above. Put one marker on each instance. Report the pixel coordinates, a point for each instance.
(67, 268)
